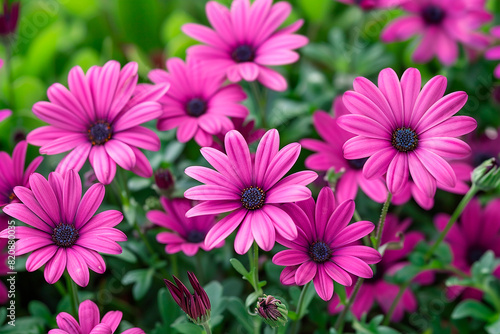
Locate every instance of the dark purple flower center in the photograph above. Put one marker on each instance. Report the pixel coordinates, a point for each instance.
(404, 139)
(196, 107)
(195, 237)
(65, 235)
(99, 133)
(320, 252)
(243, 53)
(357, 163)
(253, 198)
(474, 253)
(433, 14)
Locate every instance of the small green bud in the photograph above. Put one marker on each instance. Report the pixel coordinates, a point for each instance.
(487, 175)
(272, 310)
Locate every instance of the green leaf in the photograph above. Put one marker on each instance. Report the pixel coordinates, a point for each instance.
(340, 291)
(252, 299)
(85, 9)
(474, 309)
(27, 91)
(317, 10)
(141, 278)
(214, 291)
(167, 307)
(39, 309)
(239, 267)
(239, 311)
(187, 328)
(494, 328)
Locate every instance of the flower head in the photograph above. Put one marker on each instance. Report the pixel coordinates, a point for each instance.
(251, 188)
(197, 103)
(187, 234)
(12, 172)
(9, 18)
(443, 24)
(272, 310)
(469, 240)
(329, 155)
(197, 305)
(99, 118)
(245, 40)
(323, 251)
(63, 232)
(406, 131)
(494, 53)
(90, 321)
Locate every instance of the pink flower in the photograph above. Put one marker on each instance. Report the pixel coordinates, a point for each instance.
(12, 172)
(323, 251)
(443, 24)
(64, 232)
(251, 189)
(372, 4)
(463, 172)
(494, 53)
(4, 113)
(188, 234)
(99, 118)
(469, 240)
(247, 130)
(329, 155)
(197, 103)
(90, 323)
(379, 290)
(245, 40)
(405, 131)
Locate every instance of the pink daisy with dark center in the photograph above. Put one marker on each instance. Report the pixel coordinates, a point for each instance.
(405, 131)
(246, 39)
(63, 232)
(251, 189)
(323, 250)
(90, 321)
(99, 118)
(443, 24)
(187, 234)
(12, 173)
(198, 103)
(329, 155)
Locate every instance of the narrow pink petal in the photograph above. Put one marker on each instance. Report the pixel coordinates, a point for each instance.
(23, 213)
(358, 102)
(290, 257)
(56, 181)
(323, 284)
(139, 136)
(77, 267)
(55, 267)
(94, 261)
(411, 82)
(142, 166)
(455, 126)
(67, 323)
(249, 71)
(27, 198)
(337, 274)
(18, 160)
(287, 276)
(402, 28)
(89, 316)
(121, 153)
(446, 147)
(287, 194)
(281, 164)
(267, 149)
(222, 164)
(213, 207)
(99, 244)
(101, 329)
(204, 35)
(272, 79)
(263, 230)
(75, 159)
(212, 192)
(374, 188)
(276, 57)
(72, 193)
(80, 88)
(337, 222)
(109, 218)
(358, 147)
(224, 228)
(353, 265)
(422, 178)
(104, 166)
(347, 186)
(306, 272)
(239, 155)
(209, 176)
(89, 204)
(352, 233)
(138, 114)
(282, 222)
(325, 207)
(45, 196)
(364, 126)
(433, 91)
(437, 166)
(302, 178)
(367, 254)
(27, 245)
(442, 110)
(244, 238)
(397, 173)
(389, 85)
(39, 257)
(377, 164)
(112, 319)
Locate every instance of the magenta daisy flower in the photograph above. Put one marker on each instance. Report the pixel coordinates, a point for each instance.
(64, 232)
(494, 53)
(372, 4)
(323, 251)
(443, 24)
(405, 131)
(469, 240)
(377, 289)
(197, 103)
(463, 172)
(90, 321)
(251, 189)
(329, 155)
(12, 172)
(245, 40)
(187, 234)
(99, 117)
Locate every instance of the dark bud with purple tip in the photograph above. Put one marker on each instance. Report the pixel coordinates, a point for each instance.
(272, 311)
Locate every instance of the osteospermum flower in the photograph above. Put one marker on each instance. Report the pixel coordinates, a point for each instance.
(12, 172)
(406, 131)
(443, 24)
(188, 234)
(329, 155)
(494, 53)
(90, 321)
(323, 251)
(245, 40)
(469, 240)
(99, 117)
(63, 232)
(251, 189)
(377, 289)
(197, 103)
(463, 172)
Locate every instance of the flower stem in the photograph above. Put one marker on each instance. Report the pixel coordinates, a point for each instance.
(73, 291)
(261, 103)
(381, 223)
(8, 68)
(339, 324)
(458, 211)
(300, 307)
(206, 327)
(395, 303)
(254, 265)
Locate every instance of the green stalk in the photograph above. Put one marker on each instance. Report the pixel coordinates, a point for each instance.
(300, 306)
(383, 216)
(402, 288)
(261, 103)
(458, 211)
(254, 263)
(206, 327)
(73, 291)
(339, 324)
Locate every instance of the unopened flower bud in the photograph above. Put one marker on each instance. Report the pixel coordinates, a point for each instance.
(272, 310)
(164, 180)
(487, 175)
(9, 18)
